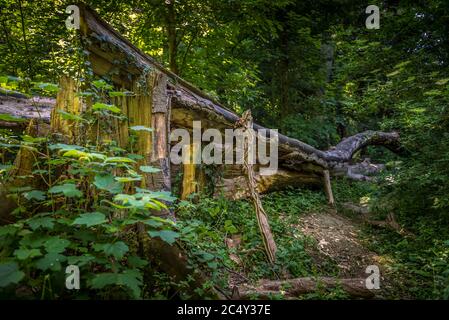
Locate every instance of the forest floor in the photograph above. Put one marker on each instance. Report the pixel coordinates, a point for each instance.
(340, 239)
(339, 242)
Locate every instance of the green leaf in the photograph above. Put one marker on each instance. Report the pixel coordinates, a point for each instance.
(163, 195)
(56, 245)
(68, 189)
(135, 157)
(394, 73)
(35, 195)
(101, 84)
(120, 93)
(117, 249)
(90, 219)
(149, 169)
(141, 128)
(23, 254)
(8, 230)
(119, 160)
(50, 261)
(229, 227)
(10, 118)
(168, 236)
(64, 147)
(85, 94)
(10, 273)
(127, 179)
(129, 278)
(78, 154)
(153, 223)
(70, 116)
(442, 81)
(104, 106)
(41, 222)
(136, 262)
(108, 183)
(80, 260)
(49, 87)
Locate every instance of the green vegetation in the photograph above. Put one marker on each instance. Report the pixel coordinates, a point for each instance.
(309, 68)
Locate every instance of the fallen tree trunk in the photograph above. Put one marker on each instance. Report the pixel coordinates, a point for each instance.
(293, 288)
(24, 109)
(294, 154)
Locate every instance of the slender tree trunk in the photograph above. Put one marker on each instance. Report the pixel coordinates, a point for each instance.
(171, 34)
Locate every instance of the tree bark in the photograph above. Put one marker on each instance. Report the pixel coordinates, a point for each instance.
(293, 288)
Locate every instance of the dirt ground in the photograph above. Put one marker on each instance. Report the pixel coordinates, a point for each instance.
(338, 238)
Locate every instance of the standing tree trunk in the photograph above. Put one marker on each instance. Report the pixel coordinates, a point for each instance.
(171, 34)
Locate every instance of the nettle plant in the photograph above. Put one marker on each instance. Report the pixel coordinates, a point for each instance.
(80, 206)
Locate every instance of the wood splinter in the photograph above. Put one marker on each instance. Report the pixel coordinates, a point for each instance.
(328, 188)
(246, 123)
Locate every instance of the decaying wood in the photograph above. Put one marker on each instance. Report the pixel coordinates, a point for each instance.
(390, 223)
(328, 188)
(262, 218)
(66, 101)
(293, 288)
(25, 109)
(235, 187)
(160, 125)
(367, 217)
(21, 173)
(190, 103)
(189, 170)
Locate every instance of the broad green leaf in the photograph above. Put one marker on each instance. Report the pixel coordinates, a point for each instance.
(10, 273)
(68, 189)
(85, 94)
(104, 106)
(117, 249)
(90, 219)
(127, 179)
(101, 84)
(64, 147)
(80, 260)
(119, 160)
(108, 183)
(153, 223)
(8, 230)
(76, 154)
(35, 195)
(49, 87)
(136, 262)
(41, 222)
(70, 116)
(149, 169)
(50, 261)
(10, 118)
(23, 253)
(131, 279)
(135, 157)
(163, 195)
(168, 236)
(56, 245)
